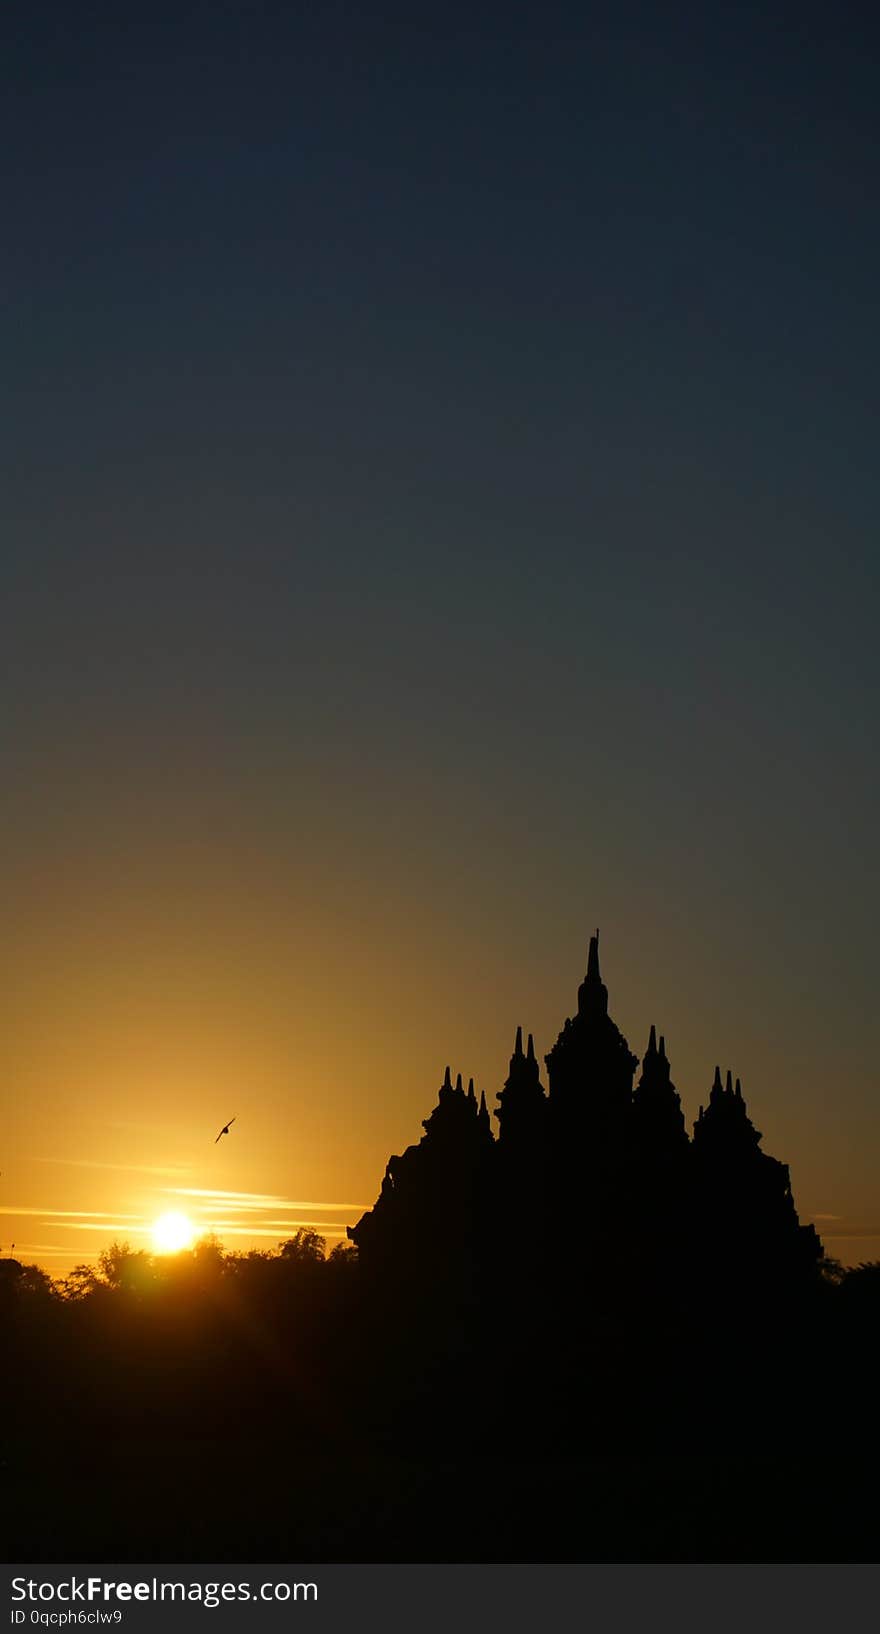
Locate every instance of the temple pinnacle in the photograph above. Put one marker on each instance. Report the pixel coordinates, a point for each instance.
(593, 959)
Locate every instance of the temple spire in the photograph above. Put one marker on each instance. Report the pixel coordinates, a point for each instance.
(592, 993)
(530, 1051)
(593, 959)
(517, 1048)
(662, 1048)
(447, 1082)
(652, 1040)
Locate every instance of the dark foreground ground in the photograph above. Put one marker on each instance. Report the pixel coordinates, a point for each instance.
(227, 1431)
(215, 1493)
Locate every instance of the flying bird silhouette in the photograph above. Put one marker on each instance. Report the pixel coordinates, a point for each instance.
(225, 1130)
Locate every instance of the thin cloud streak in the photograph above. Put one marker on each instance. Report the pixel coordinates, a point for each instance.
(273, 1226)
(256, 1199)
(42, 1248)
(276, 1232)
(260, 1231)
(72, 1213)
(120, 1168)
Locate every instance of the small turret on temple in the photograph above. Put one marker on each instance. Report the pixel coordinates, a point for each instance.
(658, 1124)
(431, 1194)
(522, 1103)
(724, 1124)
(456, 1117)
(743, 1196)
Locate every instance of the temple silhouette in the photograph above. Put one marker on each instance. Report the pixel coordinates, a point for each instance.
(592, 1165)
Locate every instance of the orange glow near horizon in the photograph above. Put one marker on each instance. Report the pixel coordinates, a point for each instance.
(331, 1042)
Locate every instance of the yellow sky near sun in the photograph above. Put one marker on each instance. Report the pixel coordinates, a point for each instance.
(240, 1219)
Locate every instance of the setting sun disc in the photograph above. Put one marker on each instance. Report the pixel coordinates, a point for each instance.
(172, 1232)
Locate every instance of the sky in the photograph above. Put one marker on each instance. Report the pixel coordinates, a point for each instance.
(439, 517)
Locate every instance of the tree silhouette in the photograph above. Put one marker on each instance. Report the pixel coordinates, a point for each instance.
(83, 1282)
(126, 1269)
(305, 1247)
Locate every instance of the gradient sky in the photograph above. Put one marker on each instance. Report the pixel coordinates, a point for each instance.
(440, 516)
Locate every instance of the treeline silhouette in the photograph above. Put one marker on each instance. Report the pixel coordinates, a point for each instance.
(215, 1405)
(592, 1338)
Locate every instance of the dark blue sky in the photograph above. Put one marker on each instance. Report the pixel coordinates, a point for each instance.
(441, 487)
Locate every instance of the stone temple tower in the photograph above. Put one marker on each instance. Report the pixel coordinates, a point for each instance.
(590, 1072)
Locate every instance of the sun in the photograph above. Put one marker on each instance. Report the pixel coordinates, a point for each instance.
(172, 1232)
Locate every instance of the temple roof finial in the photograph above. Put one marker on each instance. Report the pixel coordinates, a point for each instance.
(662, 1047)
(652, 1040)
(530, 1050)
(517, 1048)
(593, 959)
(447, 1082)
(592, 993)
